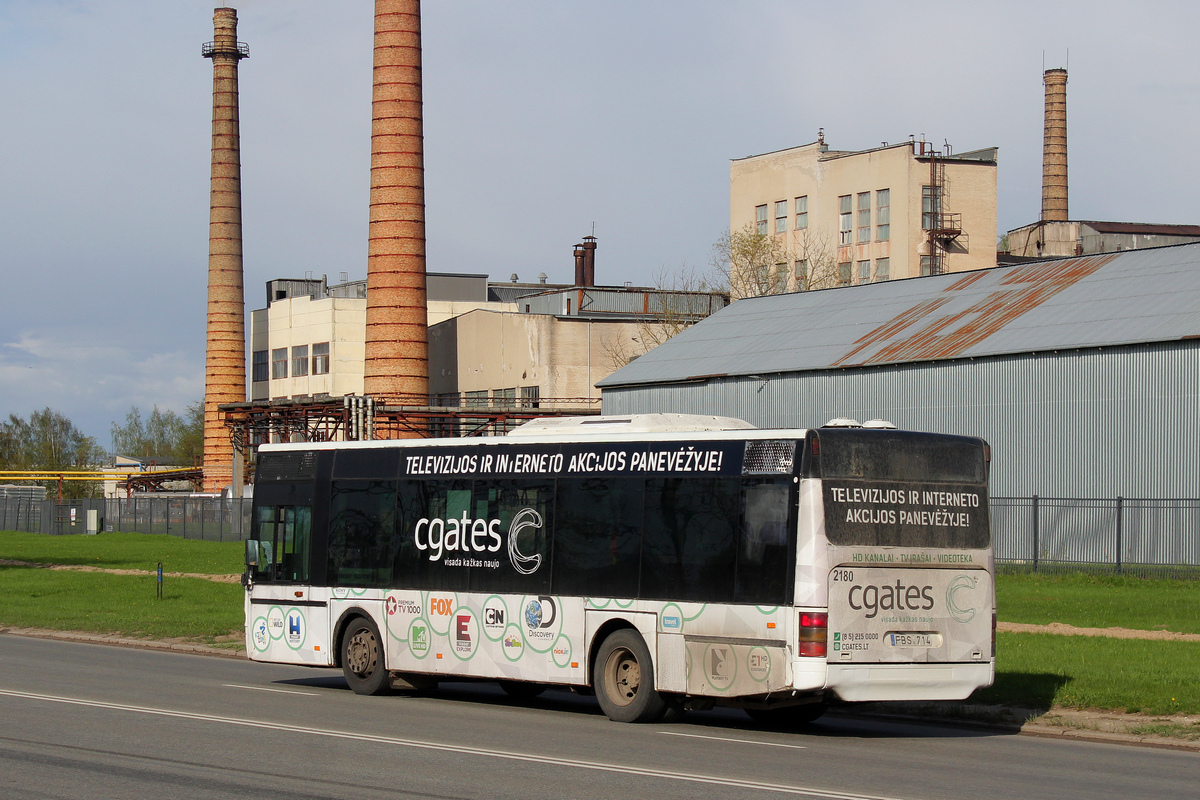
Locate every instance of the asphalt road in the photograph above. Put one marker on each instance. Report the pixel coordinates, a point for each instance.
(91, 721)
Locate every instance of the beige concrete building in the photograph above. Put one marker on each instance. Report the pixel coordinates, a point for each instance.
(489, 358)
(845, 217)
(310, 339)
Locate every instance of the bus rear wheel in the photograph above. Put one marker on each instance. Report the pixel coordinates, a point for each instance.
(362, 658)
(623, 677)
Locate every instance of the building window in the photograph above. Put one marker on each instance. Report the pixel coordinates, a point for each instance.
(845, 220)
(883, 269)
(802, 274)
(299, 361)
(845, 273)
(864, 271)
(931, 207)
(864, 217)
(930, 266)
(781, 216)
(505, 397)
(802, 213)
(883, 214)
(321, 358)
(477, 399)
(760, 220)
(261, 366)
(279, 363)
(531, 396)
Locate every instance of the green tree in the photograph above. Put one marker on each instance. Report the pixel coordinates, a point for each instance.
(49, 441)
(163, 436)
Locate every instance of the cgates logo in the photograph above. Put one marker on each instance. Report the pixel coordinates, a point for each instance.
(525, 518)
(959, 584)
(445, 539)
(889, 598)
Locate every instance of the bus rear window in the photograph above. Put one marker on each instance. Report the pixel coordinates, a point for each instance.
(901, 488)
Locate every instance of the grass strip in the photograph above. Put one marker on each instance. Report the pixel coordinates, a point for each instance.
(125, 551)
(191, 608)
(1043, 671)
(1099, 601)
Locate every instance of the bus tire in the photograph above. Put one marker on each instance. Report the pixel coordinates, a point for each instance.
(623, 677)
(788, 716)
(362, 658)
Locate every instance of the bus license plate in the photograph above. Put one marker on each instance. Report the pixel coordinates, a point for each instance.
(913, 639)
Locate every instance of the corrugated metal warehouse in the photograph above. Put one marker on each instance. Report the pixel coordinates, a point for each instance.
(1083, 373)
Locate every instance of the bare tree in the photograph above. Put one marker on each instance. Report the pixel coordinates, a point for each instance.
(678, 301)
(752, 264)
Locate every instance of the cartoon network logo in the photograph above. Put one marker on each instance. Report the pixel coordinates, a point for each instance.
(446, 537)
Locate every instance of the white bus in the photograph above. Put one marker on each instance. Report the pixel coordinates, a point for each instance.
(656, 560)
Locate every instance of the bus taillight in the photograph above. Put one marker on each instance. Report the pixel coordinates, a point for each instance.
(814, 633)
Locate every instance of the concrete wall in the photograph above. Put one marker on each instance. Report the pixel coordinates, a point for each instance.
(485, 351)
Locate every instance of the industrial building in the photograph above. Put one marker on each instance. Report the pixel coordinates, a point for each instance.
(1055, 234)
(850, 217)
(489, 343)
(1082, 373)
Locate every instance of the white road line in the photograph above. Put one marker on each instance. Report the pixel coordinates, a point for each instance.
(713, 780)
(265, 689)
(728, 739)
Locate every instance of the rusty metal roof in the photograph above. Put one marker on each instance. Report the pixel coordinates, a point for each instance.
(1131, 297)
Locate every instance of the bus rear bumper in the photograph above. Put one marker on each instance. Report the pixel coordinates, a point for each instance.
(865, 682)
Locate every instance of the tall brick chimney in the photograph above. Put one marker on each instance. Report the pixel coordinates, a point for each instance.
(225, 355)
(1054, 148)
(397, 343)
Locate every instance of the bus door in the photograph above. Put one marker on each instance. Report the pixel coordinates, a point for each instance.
(288, 623)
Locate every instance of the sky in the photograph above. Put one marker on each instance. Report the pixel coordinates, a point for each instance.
(544, 120)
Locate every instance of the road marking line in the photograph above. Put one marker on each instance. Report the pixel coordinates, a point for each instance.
(800, 791)
(265, 689)
(728, 739)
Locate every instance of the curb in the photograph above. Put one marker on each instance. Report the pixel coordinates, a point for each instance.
(118, 641)
(1034, 729)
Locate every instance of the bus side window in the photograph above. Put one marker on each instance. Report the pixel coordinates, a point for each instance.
(689, 543)
(598, 536)
(763, 547)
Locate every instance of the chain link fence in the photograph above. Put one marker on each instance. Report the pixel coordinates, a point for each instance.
(212, 519)
(1125, 535)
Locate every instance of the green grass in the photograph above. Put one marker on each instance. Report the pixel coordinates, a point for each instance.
(1099, 601)
(1043, 671)
(191, 608)
(125, 551)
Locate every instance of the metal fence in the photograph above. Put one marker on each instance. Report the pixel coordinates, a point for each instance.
(213, 519)
(1146, 537)
(1137, 536)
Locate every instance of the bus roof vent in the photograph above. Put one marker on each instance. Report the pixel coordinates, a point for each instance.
(566, 427)
(842, 422)
(769, 457)
(289, 465)
(880, 423)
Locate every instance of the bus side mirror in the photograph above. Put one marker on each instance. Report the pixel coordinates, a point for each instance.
(251, 553)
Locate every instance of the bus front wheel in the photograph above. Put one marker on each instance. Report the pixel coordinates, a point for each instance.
(362, 658)
(624, 679)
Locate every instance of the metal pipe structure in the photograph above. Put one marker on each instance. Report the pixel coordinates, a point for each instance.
(397, 347)
(1054, 148)
(225, 354)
